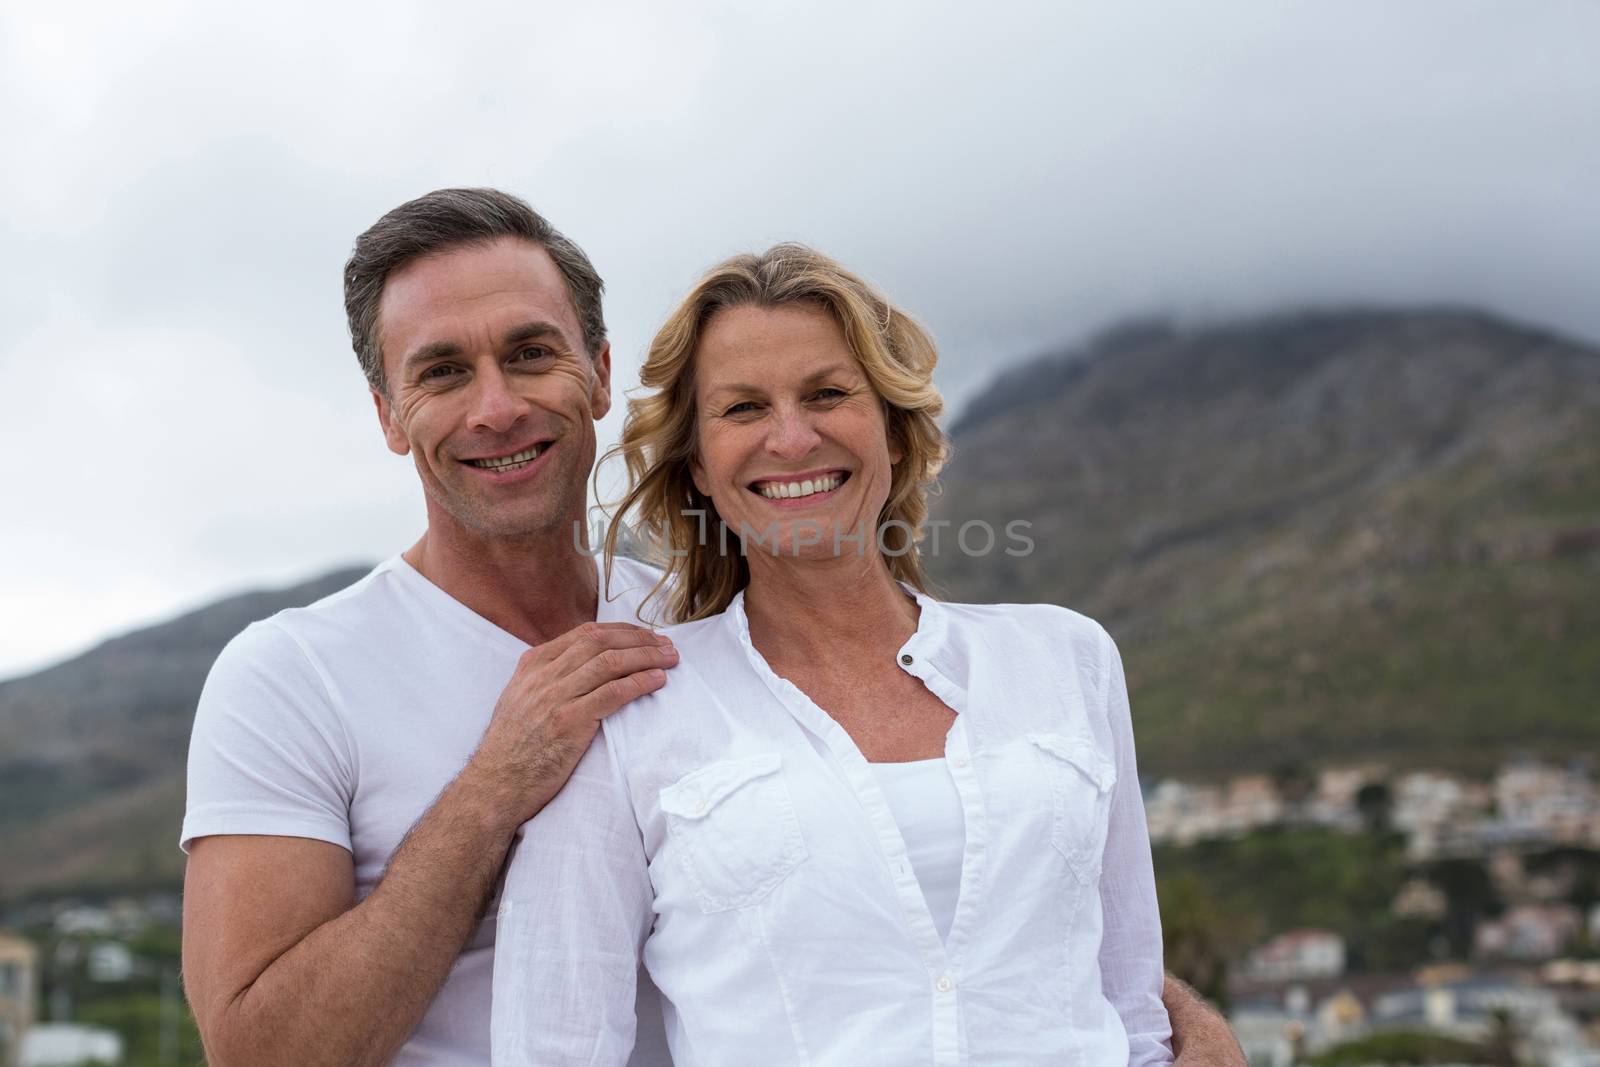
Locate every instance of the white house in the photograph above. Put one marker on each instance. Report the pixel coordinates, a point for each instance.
(69, 1045)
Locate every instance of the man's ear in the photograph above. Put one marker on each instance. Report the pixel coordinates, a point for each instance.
(600, 390)
(391, 431)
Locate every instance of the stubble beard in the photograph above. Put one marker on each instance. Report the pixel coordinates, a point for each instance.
(537, 513)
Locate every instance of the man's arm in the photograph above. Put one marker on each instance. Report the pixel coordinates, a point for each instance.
(282, 967)
(1200, 1035)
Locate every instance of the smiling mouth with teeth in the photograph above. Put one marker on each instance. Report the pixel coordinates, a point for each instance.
(804, 487)
(504, 464)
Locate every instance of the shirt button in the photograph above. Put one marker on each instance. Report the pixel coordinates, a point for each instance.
(906, 659)
(960, 761)
(944, 985)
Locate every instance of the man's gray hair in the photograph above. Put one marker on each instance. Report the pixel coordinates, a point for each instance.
(447, 218)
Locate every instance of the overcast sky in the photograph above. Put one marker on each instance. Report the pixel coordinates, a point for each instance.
(182, 181)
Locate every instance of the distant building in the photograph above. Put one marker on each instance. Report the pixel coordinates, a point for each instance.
(1420, 899)
(1180, 814)
(1268, 1035)
(1251, 802)
(1528, 804)
(1298, 955)
(84, 919)
(1466, 1009)
(1278, 1031)
(1438, 813)
(70, 1045)
(1333, 804)
(1340, 1018)
(1545, 802)
(1567, 972)
(1530, 932)
(110, 961)
(122, 917)
(19, 984)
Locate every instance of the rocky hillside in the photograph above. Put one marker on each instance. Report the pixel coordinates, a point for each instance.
(92, 750)
(1316, 537)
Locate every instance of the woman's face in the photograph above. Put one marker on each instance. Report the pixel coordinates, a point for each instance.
(793, 446)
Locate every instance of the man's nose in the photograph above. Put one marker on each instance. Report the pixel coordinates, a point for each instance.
(495, 405)
(791, 435)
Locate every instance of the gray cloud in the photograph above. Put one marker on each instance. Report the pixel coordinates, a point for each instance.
(182, 186)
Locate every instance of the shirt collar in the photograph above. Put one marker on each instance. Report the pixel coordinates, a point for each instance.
(926, 648)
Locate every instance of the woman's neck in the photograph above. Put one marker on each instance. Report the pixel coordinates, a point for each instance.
(820, 611)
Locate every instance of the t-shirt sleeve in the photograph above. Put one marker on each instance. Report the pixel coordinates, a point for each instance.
(268, 754)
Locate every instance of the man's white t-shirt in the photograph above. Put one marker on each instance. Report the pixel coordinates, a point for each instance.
(344, 720)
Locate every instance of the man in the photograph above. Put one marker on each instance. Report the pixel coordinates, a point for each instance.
(359, 768)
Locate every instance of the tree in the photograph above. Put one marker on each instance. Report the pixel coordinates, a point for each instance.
(1375, 802)
(1500, 1048)
(1197, 936)
(1400, 1047)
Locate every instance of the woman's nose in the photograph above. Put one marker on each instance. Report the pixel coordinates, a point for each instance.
(792, 436)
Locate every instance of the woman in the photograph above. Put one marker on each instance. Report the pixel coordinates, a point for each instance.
(857, 825)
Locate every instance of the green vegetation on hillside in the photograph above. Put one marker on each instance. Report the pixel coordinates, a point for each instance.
(1318, 539)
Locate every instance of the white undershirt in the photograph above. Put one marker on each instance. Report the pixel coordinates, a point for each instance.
(927, 808)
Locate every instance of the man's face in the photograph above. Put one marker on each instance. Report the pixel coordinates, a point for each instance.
(490, 388)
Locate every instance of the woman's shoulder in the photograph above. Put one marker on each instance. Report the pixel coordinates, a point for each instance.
(707, 648)
(1051, 622)
(1069, 641)
(697, 630)
(1047, 645)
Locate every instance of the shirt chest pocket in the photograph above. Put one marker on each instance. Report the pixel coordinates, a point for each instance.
(734, 825)
(1081, 778)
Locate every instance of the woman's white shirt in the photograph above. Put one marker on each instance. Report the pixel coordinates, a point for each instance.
(926, 806)
(732, 832)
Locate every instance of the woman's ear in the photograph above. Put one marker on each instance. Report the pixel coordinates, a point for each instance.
(698, 474)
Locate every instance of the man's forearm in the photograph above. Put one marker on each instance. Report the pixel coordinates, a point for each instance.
(352, 991)
(1201, 1037)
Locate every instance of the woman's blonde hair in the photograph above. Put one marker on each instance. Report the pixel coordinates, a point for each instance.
(703, 563)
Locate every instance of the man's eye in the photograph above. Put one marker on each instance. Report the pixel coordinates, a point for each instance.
(532, 353)
(438, 373)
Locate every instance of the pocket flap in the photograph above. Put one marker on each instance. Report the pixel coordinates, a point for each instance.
(696, 793)
(1082, 754)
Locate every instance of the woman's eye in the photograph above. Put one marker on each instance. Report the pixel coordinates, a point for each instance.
(743, 407)
(830, 393)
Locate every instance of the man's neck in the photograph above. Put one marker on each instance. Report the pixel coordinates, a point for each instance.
(535, 588)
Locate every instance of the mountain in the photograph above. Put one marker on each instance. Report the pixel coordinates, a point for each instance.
(92, 750)
(1317, 537)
